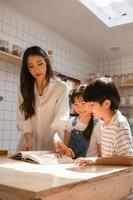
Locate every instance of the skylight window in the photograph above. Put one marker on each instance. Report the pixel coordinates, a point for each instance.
(111, 12)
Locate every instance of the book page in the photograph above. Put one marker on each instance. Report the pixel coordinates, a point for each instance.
(41, 157)
(17, 156)
(21, 155)
(47, 158)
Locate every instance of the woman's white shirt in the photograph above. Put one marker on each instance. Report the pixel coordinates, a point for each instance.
(51, 114)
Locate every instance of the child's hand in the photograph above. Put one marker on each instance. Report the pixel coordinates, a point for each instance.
(62, 149)
(69, 152)
(85, 161)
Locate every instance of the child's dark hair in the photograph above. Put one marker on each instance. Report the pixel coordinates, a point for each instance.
(78, 92)
(100, 89)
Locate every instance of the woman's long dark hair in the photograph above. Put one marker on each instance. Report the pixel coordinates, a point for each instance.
(27, 80)
(78, 93)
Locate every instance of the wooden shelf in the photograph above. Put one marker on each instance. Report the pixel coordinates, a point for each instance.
(10, 58)
(125, 85)
(7, 57)
(126, 106)
(65, 78)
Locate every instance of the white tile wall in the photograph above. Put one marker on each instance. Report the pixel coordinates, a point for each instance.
(68, 59)
(121, 65)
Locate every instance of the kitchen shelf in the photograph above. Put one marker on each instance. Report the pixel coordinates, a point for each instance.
(126, 106)
(65, 78)
(10, 58)
(14, 59)
(125, 85)
(18, 60)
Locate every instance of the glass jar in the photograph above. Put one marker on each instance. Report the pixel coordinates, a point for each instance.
(116, 79)
(4, 45)
(130, 99)
(123, 79)
(129, 78)
(50, 56)
(123, 100)
(17, 50)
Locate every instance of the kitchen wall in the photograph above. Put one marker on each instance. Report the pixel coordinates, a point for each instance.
(122, 70)
(68, 59)
(121, 65)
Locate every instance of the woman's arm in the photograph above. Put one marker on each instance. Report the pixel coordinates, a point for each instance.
(28, 144)
(25, 126)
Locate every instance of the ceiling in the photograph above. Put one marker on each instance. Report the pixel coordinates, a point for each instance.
(75, 22)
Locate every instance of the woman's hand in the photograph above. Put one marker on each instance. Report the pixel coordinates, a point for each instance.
(26, 147)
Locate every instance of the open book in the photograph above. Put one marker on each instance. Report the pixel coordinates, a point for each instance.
(41, 157)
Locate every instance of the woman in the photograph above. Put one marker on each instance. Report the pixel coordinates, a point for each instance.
(43, 102)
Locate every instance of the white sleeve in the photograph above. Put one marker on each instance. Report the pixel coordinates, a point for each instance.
(24, 125)
(69, 124)
(61, 109)
(97, 131)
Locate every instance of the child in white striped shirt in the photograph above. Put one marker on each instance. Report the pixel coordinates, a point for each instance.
(116, 136)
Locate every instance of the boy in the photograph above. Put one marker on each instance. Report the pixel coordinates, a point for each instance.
(116, 136)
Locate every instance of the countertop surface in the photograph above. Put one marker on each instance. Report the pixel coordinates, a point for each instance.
(35, 177)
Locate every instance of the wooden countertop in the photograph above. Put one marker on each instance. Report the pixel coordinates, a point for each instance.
(21, 180)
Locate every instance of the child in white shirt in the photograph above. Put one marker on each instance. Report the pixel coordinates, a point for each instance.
(116, 137)
(82, 134)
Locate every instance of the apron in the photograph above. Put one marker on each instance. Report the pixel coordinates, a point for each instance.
(78, 143)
